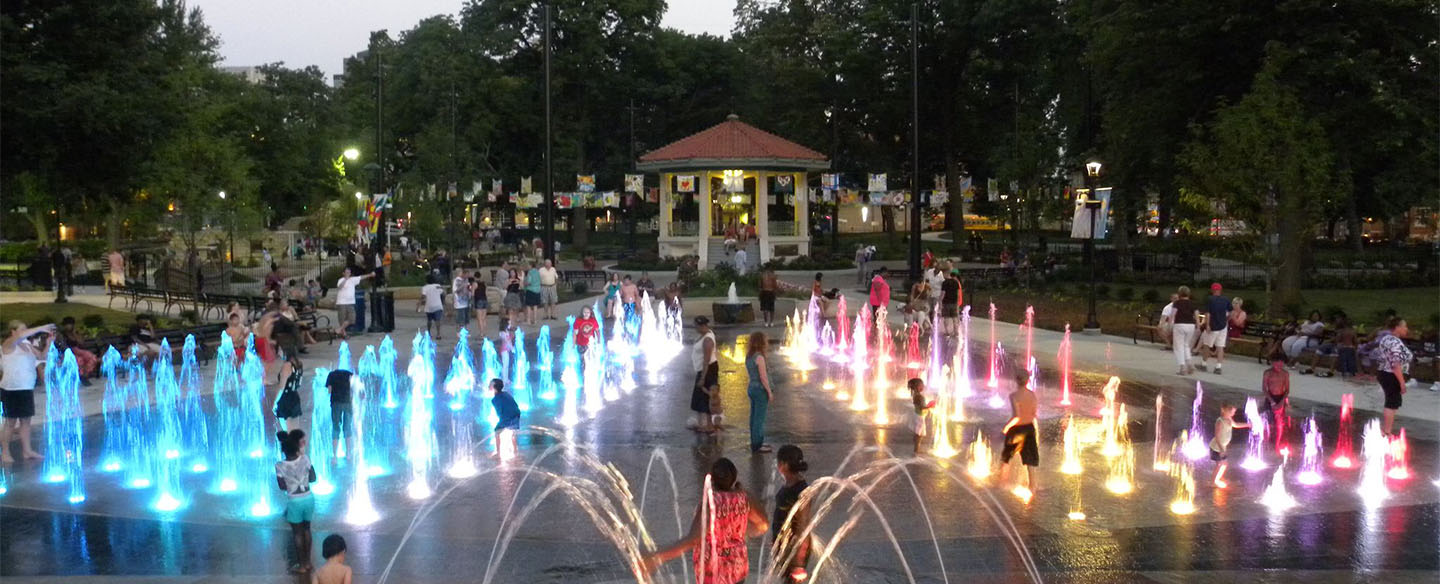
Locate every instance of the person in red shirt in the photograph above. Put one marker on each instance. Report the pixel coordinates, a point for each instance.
(879, 291)
(585, 328)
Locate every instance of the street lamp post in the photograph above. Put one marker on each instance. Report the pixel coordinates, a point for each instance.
(1092, 208)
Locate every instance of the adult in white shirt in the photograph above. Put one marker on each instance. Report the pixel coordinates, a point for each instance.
(432, 301)
(20, 365)
(740, 259)
(935, 277)
(549, 296)
(461, 291)
(345, 300)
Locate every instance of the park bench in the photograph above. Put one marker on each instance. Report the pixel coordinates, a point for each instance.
(124, 292)
(16, 273)
(596, 276)
(1146, 324)
(180, 300)
(1260, 335)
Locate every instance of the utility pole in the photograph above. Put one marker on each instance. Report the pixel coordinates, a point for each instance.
(633, 208)
(549, 175)
(914, 141)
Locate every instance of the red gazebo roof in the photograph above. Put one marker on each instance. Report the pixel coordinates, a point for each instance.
(732, 143)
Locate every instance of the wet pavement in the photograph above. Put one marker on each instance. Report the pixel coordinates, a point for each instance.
(967, 531)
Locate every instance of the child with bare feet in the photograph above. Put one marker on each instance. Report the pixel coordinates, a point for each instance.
(1218, 445)
(1021, 435)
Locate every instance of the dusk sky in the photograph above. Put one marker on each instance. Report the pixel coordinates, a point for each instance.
(324, 32)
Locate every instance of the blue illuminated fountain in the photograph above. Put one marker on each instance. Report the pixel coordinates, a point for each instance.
(520, 383)
(342, 359)
(167, 436)
(490, 369)
(194, 427)
(570, 377)
(361, 509)
(376, 455)
(138, 458)
(594, 371)
(459, 381)
(256, 480)
(389, 384)
(64, 440)
(420, 447)
(112, 405)
(228, 445)
(322, 438)
(458, 385)
(544, 363)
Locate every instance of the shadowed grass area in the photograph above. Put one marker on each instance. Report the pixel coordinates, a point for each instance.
(110, 321)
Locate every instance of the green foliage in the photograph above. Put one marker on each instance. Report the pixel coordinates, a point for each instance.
(1150, 296)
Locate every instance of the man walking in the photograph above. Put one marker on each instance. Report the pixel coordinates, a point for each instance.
(1212, 340)
(549, 296)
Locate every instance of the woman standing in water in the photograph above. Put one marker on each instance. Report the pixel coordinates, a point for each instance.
(758, 390)
(718, 530)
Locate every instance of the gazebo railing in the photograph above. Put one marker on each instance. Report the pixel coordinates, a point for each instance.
(782, 228)
(684, 228)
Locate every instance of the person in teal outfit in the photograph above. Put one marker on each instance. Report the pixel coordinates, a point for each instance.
(758, 390)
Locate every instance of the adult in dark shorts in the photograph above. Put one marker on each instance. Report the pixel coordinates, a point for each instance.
(21, 361)
(704, 357)
(1392, 364)
(769, 286)
(342, 421)
(1020, 432)
(950, 303)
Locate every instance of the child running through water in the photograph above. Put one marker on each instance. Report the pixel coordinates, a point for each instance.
(294, 474)
(1221, 442)
(922, 409)
(287, 406)
(334, 571)
(1020, 432)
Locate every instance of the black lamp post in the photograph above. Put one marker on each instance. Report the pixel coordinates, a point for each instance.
(1092, 208)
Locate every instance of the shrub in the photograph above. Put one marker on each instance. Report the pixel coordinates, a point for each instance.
(190, 316)
(1150, 296)
(92, 321)
(580, 288)
(1102, 291)
(1124, 293)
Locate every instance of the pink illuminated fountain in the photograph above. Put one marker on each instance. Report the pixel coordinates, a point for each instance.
(997, 400)
(1255, 444)
(1162, 454)
(993, 382)
(857, 367)
(1310, 461)
(1029, 332)
(1195, 447)
(1344, 445)
(1399, 468)
(1064, 362)
(842, 331)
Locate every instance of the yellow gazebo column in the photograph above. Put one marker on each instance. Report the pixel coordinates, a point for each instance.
(802, 212)
(762, 215)
(702, 239)
(667, 205)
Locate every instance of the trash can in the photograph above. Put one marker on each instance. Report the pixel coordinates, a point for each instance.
(382, 311)
(359, 324)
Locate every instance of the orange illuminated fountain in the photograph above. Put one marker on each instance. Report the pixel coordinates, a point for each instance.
(980, 457)
(941, 446)
(1071, 464)
(1344, 444)
(1077, 510)
(1064, 362)
(1121, 479)
(1162, 454)
(1184, 474)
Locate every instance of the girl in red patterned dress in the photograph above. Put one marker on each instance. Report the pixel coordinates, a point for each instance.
(717, 533)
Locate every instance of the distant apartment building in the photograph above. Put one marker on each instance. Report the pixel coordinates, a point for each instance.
(249, 74)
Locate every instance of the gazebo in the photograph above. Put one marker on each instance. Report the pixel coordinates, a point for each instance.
(728, 182)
